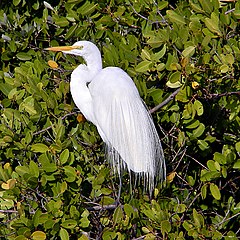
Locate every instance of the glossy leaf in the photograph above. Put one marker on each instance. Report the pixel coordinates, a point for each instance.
(143, 66)
(215, 191)
(39, 147)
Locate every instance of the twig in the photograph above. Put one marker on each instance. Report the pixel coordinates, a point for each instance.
(106, 207)
(8, 211)
(229, 11)
(196, 161)
(227, 219)
(218, 95)
(41, 131)
(181, 158)
(183, 180)
(189, 206)
(159, 13)
(140, 15)
(165, 102)
(45, 129)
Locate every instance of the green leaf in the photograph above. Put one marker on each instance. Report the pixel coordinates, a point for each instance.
(143, 66)
(28, 105)
(118, 215)
(175, 18)
(213, 165)
(192, 124)
(24, 56)
(189, 51)
(175, 77)
(128, 209)
(16, 2)
(224, 68)
(38, 235)
(209, 175)
(204, 191)
(203, 145)
(206, 5)
(71, 31)
(84, 222)
(62, 22)
(237, 146)
(162, 5)
(39, 147)
(174, 80)
(108, 234)
(63, 233)
(87, 8)
(236, 13)
(64, 156)
(177, 84)
(36, 217)
(219, 158)
(165, 226)
(213, 24)
(237, 164)
(199, 130)
(157, 56)
(145, 54)
(69, 224)
(198, 218)
(10, 184)
(34, 169)
(198, 107)
(215, 191)
(71, 173)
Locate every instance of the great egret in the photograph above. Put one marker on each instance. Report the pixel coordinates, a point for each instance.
(109, 99)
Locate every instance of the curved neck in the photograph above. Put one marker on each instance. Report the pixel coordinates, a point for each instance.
(93, 61)
(82, 75)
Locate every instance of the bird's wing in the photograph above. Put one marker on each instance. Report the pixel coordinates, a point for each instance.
(125, 124)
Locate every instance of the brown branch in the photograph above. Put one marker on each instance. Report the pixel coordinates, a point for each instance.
(166, 101)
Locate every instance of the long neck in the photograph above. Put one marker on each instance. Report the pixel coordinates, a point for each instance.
(82, 75)
(93, 61)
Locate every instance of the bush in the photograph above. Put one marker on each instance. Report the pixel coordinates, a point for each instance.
(53, 175)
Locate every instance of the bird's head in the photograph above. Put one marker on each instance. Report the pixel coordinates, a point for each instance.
(80, 48)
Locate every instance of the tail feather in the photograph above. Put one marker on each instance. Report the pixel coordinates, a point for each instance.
(133, 142)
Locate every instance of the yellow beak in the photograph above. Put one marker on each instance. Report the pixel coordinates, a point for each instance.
(62, 48)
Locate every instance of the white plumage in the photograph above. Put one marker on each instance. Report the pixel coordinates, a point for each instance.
(109, 99)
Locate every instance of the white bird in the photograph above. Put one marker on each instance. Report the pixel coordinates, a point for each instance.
(109, 99)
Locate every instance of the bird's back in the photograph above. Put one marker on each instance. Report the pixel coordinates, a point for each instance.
(126, 126)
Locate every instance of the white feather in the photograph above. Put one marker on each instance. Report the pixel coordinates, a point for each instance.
(111, 101)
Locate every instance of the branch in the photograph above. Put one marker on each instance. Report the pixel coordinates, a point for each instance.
(227, 219)
(99, 208)
(45, 129)
(8, 211)
(165, 102)
(196, 161)
(141, 16)
(218, 95)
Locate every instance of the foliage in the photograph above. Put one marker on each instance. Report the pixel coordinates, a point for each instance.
(55, 183)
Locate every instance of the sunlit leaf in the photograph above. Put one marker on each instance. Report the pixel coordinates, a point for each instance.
(10, 184)
(52, 64)
(38, 235)
(39, 147)
(215, 191)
